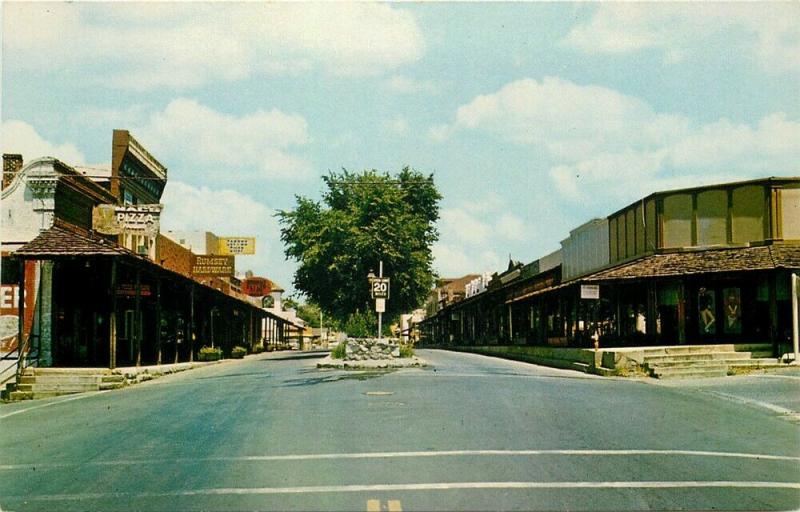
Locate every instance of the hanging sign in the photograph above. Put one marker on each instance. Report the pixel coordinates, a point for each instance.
(236, 245)
(590, 291)
(213, 266)
(140, 219)
(129, 290)
(380, 305)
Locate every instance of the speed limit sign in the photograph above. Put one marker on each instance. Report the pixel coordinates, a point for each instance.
(380, 288)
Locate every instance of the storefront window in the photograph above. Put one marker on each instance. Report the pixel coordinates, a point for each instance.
(733, 310)
(706, 308)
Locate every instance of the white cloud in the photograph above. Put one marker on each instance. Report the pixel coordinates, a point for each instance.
(567, 120)
(511, 227)
(458, 224)
(228, 213)
(593, 137)
(470, 232)
(20, 137)
(177, 45)
(456, 261)
(401, 84)
(396, 126)
(254, 145)
(770, 32)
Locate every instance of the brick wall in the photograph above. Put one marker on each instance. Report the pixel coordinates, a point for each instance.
(173, 256)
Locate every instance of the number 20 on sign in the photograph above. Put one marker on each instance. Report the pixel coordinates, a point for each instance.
(380, 288)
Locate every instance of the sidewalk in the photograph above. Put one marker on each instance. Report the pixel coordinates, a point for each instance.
(778, 392)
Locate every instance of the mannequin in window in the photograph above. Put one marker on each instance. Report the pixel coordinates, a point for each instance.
(705, 303)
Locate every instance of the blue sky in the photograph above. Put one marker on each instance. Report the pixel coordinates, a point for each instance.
(534, 117)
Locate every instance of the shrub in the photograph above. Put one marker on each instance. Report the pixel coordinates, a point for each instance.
(407, 350)
(339, 351)
(209, 354)
(361, 325)
(238, 352)
(257, 349)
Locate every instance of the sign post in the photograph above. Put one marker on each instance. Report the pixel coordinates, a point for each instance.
(379, 287)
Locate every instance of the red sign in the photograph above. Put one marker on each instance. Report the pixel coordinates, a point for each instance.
(256, 286)
(129, 290)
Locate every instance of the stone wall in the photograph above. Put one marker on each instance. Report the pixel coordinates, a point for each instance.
(367, 349)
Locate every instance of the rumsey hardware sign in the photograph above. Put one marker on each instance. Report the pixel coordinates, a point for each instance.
(213, 266)
(140, 219)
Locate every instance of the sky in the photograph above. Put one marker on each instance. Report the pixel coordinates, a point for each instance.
(533, 117)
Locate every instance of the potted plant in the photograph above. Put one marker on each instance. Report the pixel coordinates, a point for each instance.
(209, 354)
(238, 352)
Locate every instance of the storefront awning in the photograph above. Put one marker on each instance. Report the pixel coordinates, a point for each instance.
(58, 241)
(768, 257)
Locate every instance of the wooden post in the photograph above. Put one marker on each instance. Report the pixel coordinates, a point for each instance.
(21, 345)
(190, 329)
(158, 320)
(137, 323)
(112, 318)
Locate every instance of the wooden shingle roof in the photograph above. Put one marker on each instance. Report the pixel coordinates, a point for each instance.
(767, 257)
(58, 241)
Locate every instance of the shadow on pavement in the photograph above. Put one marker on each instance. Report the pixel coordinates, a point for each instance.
(311, 381)
(294, 357)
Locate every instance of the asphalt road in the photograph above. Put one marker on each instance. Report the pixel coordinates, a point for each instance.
(471, 433)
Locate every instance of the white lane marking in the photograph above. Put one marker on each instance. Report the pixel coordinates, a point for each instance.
(749, 401)
(49, 404)
(790, 377)
(391, 455)
(445, 486)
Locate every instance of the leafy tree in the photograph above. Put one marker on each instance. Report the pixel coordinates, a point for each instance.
(309, 313)
(364, 218)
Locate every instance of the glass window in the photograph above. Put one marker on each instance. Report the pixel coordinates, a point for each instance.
(640, 221)
(733, 310)
(712, 217)
(747, 214)
(677, 221)
(650, 227)
(630, 233)
(612, 239)
(706, 311)
(790, 213)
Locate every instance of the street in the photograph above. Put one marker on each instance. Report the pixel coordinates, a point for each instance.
(468, 433)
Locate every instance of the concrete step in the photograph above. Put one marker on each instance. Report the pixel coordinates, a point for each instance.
(58, 388)
(581, 367)
(694, 349)
(68, 371)
(702, 363)
(690, 372)
(702, 356)
(60, 379)
(105, 386)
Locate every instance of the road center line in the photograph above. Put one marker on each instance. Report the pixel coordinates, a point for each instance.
(393, 455)
(444, 486)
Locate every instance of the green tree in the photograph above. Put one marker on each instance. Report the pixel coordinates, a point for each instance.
(309, 312)
(364, 218)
